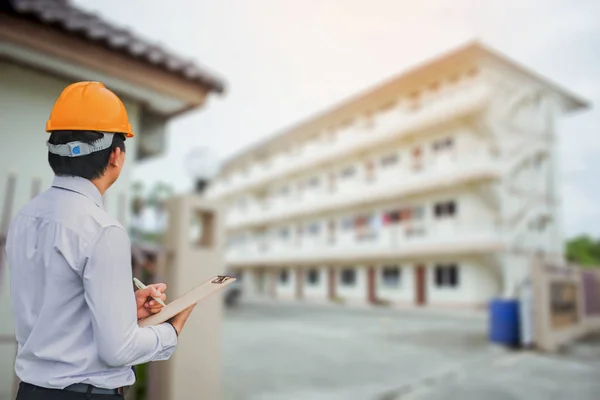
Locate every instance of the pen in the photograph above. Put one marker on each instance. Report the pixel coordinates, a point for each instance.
(140, 285)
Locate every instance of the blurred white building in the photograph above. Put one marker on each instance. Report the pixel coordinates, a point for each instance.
(434, 188)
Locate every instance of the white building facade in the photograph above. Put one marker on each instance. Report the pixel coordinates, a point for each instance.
(435, 188)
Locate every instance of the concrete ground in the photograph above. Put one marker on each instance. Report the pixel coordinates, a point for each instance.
(295, 351)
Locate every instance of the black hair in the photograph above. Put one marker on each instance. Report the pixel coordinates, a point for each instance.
(90, 166)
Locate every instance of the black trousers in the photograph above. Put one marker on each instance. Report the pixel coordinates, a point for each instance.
(28, 392)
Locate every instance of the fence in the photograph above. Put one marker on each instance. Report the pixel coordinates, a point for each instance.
(567, 304)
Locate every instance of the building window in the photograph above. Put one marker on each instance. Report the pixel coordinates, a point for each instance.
(284, 190)
(347, 223)
(446, 275)
(391, 217)
(284, 233)
(312, 277)
(443, 145)
(313, 182)
(389, 160)
(390, 276)
(313, 229)
(445, 209)
(366, 227)
(348, 277)
(409, 214)
(284, 276)
(348, 172)
(418, 212)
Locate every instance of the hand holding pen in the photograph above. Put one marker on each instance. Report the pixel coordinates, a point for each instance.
(155, 292)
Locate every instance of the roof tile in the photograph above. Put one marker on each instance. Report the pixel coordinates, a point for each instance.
(63, 15)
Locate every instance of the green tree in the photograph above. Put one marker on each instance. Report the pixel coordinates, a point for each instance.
(584, 250)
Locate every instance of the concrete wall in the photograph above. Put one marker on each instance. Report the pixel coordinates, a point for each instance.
(478, 282)
(26, 99)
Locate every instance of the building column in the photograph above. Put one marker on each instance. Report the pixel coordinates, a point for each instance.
(371, 285)
(420, 271)
(331, 282)
(299, 283)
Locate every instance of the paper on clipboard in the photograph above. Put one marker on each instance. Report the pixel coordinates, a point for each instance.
(190, 298)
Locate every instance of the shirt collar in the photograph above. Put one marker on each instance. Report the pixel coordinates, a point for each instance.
(81, 186)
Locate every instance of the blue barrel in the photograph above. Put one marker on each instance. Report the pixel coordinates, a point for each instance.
(504, 322)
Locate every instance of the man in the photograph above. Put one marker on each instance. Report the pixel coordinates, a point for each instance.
(72, 297)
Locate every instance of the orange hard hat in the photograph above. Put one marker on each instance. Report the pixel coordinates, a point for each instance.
(89, 106)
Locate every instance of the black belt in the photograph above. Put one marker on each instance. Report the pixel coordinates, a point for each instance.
(88, 389)
(84, 388)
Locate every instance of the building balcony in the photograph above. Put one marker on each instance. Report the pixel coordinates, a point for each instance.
(407, 244)
(361, 193)
(385, 128)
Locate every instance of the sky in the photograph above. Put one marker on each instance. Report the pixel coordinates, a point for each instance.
(285, 60)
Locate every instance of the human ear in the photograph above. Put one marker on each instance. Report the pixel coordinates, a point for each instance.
(115, 157)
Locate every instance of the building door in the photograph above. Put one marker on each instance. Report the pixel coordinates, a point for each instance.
(420, 285)
(371, 294)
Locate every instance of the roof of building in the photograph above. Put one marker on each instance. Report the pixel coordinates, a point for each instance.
(62, 15)
(464, 56)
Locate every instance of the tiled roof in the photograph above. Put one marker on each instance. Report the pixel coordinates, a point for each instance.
(61, 14)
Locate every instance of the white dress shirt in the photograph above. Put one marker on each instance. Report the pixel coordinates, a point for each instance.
(71, 293)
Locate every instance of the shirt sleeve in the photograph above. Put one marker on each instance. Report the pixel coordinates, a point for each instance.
(107, 280)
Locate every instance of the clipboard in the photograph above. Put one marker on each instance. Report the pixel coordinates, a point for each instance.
(188, 299)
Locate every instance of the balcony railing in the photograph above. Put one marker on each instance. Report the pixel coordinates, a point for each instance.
(387, 127)
(388, 188)
(386, 247)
